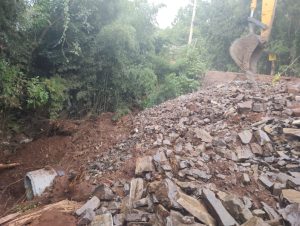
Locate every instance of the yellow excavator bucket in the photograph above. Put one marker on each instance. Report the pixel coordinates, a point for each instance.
(246, 52)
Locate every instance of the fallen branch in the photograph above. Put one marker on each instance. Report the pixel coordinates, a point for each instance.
(64, 206)
(8, 166)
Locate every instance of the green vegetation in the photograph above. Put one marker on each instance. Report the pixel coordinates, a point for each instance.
(92, 56)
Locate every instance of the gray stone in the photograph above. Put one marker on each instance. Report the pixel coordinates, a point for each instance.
(136, 190)
(223, 217)
(256, 149)
(259, 107)
(196, 208)
(144, 165)
(259, 213)
(203, 135)
(277, 188)
(166, 194)
(273, 215)
(237, 208)
(119, 219)
(291, 132)
(244, 153)
(266, 182)
(262, 137)
(245, 136)
(293, 182)
(139, 216)
(282, 177)
(291, 214)
(177, 219)
(87, 217)
(103, 220)
(103, 192)
(244, 107)
(246, 178)
(92, 204)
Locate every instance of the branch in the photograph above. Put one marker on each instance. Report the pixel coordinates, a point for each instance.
(8, 166)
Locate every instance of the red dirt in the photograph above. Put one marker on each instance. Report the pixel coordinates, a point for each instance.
(54, 217)
(70, 146)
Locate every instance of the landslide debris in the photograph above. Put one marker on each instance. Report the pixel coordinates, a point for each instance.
(224, 155)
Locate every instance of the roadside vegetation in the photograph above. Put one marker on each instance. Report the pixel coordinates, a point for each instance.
(73, 58)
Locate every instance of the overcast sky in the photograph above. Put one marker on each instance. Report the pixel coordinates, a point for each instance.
(167, 14)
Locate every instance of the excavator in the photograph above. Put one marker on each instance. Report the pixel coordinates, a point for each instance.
(246, 51)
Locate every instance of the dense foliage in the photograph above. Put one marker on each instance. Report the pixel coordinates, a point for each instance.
(89, 56)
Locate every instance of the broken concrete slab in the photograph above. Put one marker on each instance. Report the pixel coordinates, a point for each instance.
(245, 136)
(92, 204)
(87, 217)
(219, 211)
(144, 165)
(196, 208)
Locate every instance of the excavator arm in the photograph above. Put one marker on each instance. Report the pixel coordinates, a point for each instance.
(246, 51)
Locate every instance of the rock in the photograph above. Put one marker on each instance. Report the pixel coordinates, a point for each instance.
(215, 205)
(291, 132)
(103, 220)
(259, 107)
(203, 135)
(266, 182)
(282, 177)
(296, 112)
(296, 122)
(87, 217)
(291, 214)
(144, 165)
(277, 188)
(256, 149)
(196, 208)
(166, 194)
(177, 219)
(136, 190)
(103, 192)
(293, 182)
(246, 178)
(137, 217)
(247, 201)
(273, 215)
(236, 208)
(262, 137)
(199, 174)
(290, 196)
(245, 107)
(255, 221)
(92, 204)
(119, 219)
(245, 136)
(259, 213)
(244, 153)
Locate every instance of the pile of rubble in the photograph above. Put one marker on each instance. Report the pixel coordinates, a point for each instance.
(227, 155)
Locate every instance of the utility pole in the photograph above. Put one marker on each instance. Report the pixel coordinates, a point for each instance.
(192, 23)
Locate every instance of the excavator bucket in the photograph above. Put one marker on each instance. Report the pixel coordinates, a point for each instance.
(246, 52)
